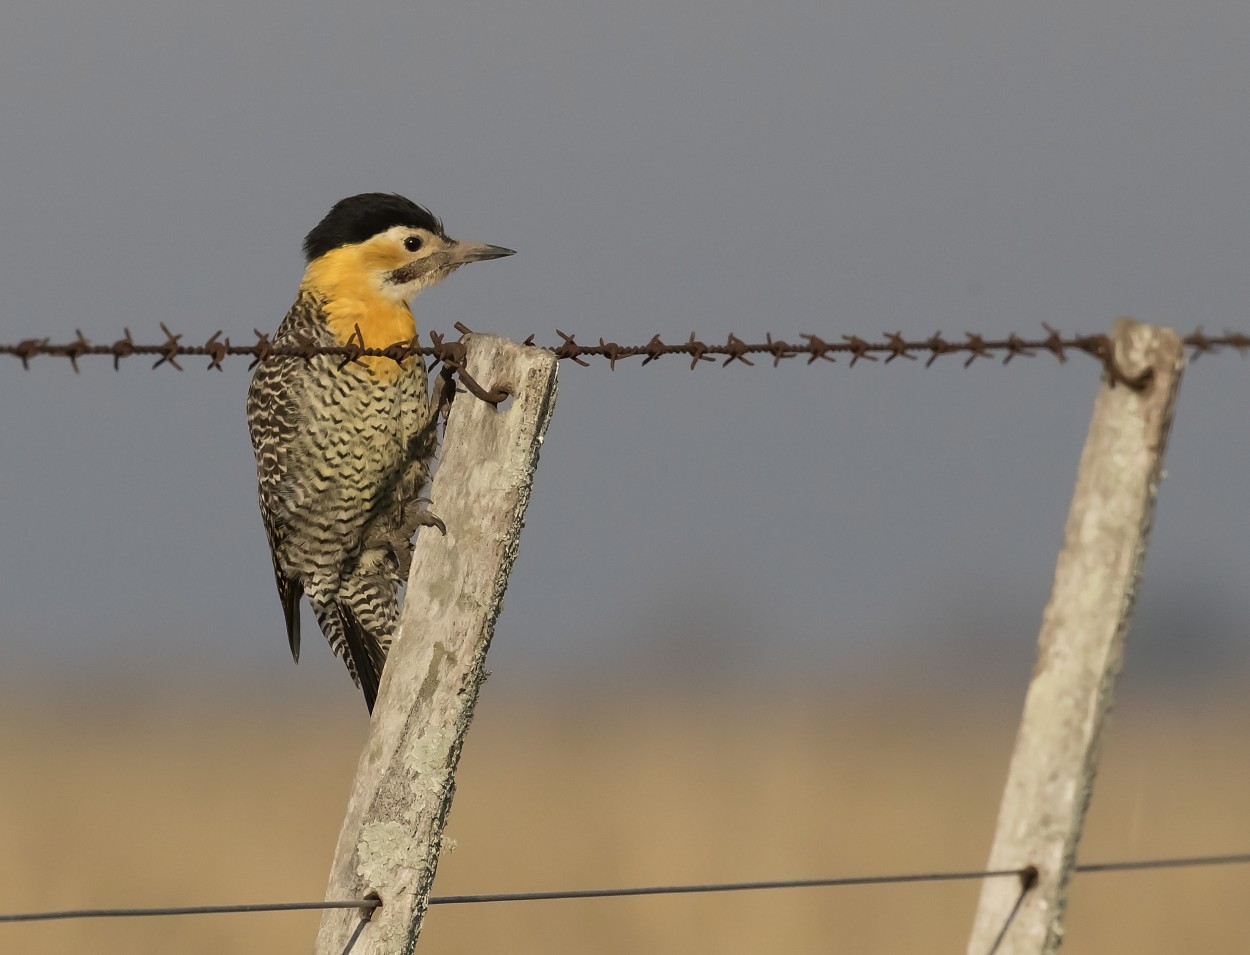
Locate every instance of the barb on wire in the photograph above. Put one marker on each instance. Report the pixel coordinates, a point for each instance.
(892, 345)
(1028, 879)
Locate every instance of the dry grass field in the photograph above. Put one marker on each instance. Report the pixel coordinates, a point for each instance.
(179, 799)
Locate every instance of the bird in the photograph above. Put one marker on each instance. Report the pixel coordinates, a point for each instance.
(343, 448)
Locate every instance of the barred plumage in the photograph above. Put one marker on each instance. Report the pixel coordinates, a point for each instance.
(344, 450)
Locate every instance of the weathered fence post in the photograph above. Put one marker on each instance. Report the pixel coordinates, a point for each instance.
(391, 836)
(1080, 648)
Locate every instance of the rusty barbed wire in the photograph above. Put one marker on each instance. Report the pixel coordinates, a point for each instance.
(450, 353)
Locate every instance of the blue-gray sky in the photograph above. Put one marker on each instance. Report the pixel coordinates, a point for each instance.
(712, 166)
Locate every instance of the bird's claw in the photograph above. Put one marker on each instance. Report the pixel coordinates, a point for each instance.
(427, 519)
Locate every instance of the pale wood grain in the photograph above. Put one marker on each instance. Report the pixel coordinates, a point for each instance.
(1081, 646)
(391, 837)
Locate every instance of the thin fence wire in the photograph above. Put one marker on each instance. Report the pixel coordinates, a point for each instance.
(886, 348)
(1028, 880)
(65, 915)
(1027, 876)
(351, 942)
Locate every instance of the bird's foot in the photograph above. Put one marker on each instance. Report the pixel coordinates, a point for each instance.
(423, 518)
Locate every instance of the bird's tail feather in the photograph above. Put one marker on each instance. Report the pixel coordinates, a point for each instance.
(361, 646)
(365, 653)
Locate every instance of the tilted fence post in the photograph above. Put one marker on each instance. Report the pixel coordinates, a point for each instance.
(391, 837)
(1080, 649)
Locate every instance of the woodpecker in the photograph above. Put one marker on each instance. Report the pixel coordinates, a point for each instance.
(343, 450)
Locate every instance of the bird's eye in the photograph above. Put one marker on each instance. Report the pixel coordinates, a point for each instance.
(413, 243)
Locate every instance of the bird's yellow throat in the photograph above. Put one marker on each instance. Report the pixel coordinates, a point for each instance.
(345, 279)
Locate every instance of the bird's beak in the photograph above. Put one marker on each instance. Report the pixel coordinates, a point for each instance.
(462, 253)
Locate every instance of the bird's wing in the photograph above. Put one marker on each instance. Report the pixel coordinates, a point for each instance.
(273, 418)
(289, 592)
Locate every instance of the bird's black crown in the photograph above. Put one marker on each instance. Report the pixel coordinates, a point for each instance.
(358, 218)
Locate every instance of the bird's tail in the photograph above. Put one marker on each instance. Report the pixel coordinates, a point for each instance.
(365, 655)
(358, 634)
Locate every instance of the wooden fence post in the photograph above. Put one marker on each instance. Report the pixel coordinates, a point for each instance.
(1080, 649)
(392, 834)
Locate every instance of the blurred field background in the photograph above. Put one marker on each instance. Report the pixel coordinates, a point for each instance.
(168, 794)
(727, 168)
